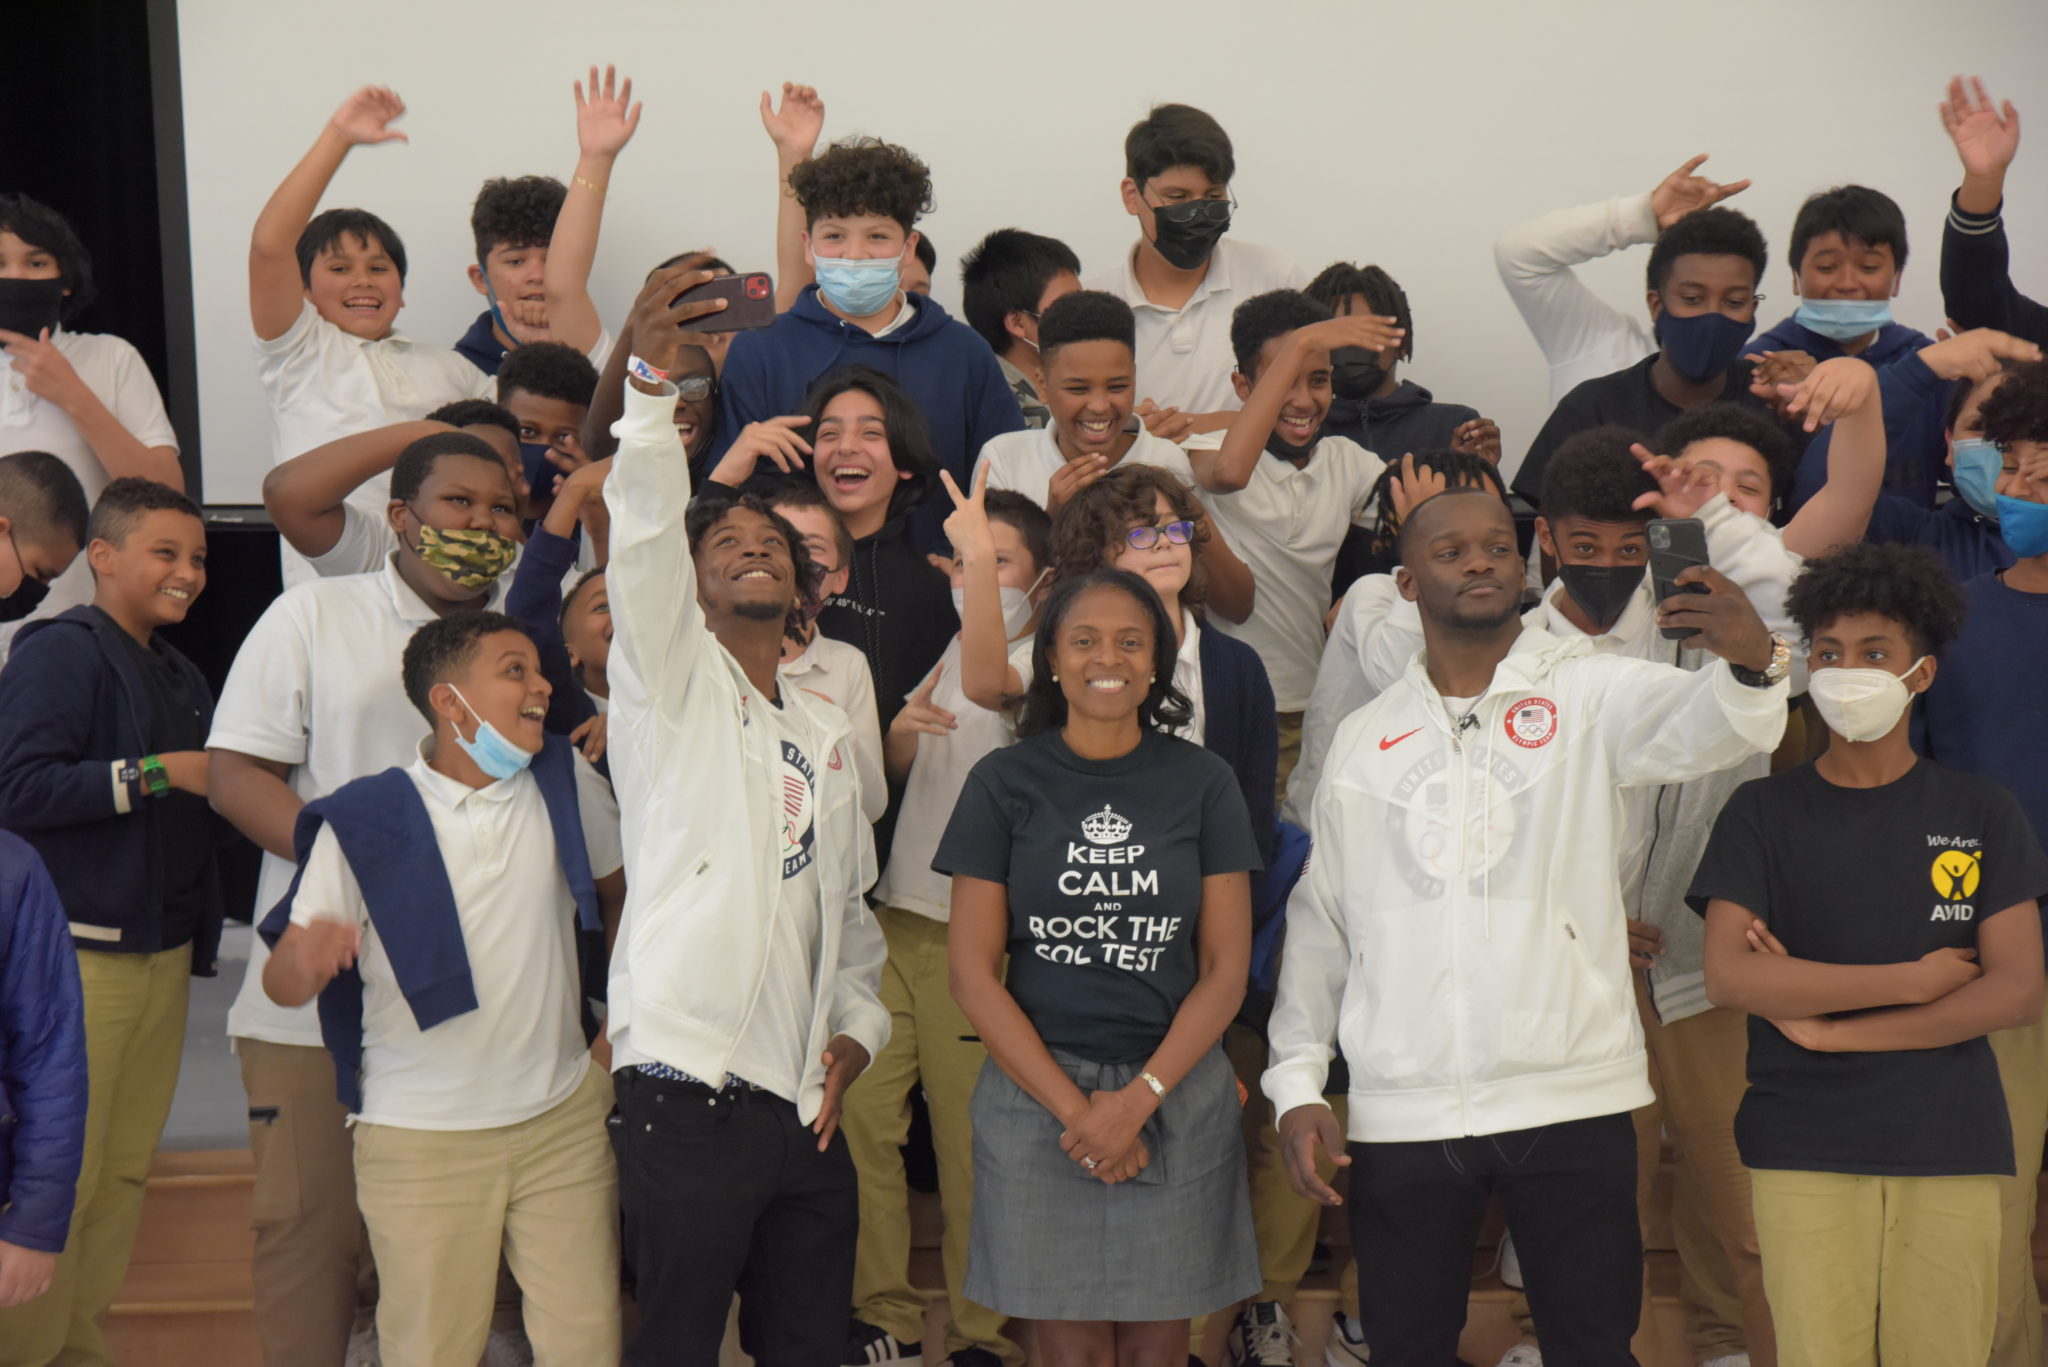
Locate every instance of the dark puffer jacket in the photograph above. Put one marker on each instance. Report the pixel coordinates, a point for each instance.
(42, 1055)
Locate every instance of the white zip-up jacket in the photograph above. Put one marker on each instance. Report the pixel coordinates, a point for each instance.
(1460, 929)
(697, 789)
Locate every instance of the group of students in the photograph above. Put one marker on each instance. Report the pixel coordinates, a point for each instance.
(1130, 718)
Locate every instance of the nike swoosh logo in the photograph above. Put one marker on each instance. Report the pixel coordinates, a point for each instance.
(1386, 744)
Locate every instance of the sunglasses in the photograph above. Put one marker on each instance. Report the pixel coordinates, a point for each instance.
(1145, 538)
(1196, 210)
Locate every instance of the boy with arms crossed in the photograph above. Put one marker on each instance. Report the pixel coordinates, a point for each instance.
(1876, 914)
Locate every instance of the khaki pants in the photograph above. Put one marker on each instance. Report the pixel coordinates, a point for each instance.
(931, 1045)
(1863, 1269)
(1290, 752)
(1699, 1067)
(441, 1205)
(134, 1039)
(311, 1268)
(2023, 1069)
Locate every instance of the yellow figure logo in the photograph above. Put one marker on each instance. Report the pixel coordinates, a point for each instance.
(1955, 874)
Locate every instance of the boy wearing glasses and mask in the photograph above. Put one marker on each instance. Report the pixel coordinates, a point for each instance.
(312, 702)
(861, 200)
(1184, 277)
(43, 516)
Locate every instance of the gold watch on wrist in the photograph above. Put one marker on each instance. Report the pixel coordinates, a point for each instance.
(1778, 668)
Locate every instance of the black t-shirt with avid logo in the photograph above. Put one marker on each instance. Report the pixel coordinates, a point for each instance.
(1873, 876)
(1104, 861)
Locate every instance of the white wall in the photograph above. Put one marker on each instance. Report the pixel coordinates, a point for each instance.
(1403, 134)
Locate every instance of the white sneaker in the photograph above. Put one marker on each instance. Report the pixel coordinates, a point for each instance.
(1346, 1346)
(1262, 1337)
(1728, 1360)
(1523, 1355)
(1510, 1265)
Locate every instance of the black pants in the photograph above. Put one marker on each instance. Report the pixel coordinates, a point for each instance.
(726, 1192)
(1570, 1194)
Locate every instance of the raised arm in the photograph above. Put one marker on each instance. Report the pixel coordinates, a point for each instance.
(276, 289)
(605, 122)
(304, 496)
(659, 632)
(985, 673)
(794, 129)
(1843, 392)
(535, 598)
(1229, 468)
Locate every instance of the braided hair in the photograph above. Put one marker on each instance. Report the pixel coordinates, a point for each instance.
(1459, 469)
(1338, 284)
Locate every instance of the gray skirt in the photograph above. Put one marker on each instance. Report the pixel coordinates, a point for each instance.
(1050, 1242)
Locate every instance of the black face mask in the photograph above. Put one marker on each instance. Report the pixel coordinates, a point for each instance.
(1187, 233)
(1278, 445)
(1602, 590)
(29, 306)
(1355, 372)
(23, 600)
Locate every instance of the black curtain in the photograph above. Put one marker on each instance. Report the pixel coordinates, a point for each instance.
(93, 129)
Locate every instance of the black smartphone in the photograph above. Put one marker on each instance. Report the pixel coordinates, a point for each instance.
(1676, 544)
(749, 302)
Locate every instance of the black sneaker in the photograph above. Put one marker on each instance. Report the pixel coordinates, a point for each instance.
(974, 1357)
(867, 1346)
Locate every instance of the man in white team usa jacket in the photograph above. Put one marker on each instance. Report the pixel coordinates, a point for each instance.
(743, 993)
(1460, 932)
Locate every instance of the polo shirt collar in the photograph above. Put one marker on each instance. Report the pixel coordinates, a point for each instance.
(1217, 279)
(412, 608)
(450, 792)
(1190, 653)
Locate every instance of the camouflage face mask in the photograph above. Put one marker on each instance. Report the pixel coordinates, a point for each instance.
(471, 557)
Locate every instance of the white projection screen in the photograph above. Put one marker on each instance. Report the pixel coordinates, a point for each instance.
(1407, 135)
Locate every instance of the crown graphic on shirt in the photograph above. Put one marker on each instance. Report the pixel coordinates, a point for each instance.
(1105, 828)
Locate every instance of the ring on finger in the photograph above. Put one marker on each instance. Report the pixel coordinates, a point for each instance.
(1090, 1164)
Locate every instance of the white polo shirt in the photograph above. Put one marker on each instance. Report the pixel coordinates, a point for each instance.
(1025, 461)
(316, 686)
(323, 384)
(1287, 525)
(1184, 358)
(521, 1052)
(119, 378)
(838, 672)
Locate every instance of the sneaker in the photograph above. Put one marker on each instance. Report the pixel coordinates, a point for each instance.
(362, 1349)
(1510, 1274)
(867, 1346)
(1262, 1337)
(1523, 1355)
(1728, 1360)
(1346, 1346)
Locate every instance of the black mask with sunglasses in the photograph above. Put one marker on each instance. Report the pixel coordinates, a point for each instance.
(1145, 538)
(1186, 233)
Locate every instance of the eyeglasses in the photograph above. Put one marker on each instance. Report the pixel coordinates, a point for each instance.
(1196, 210)
(1145, 538)
(695, 387)
(27, 573)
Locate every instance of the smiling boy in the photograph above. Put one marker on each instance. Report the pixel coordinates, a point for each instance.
(102, 770)
(512, 222)
(324, 293)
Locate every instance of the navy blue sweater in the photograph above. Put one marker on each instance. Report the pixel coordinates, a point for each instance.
(1976, 278)
(535, 602)
(1987, 711)
(70, 705)
(945, 367)
(1969, 544)
(388, 839)
(1239, 726)
(1915, 410)
(42, 1056)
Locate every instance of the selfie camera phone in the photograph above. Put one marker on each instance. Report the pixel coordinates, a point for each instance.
(1676, 544)
(749, 303)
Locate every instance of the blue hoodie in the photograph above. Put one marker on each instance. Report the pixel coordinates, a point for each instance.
(1916, 443)
(42, 1056)
(943, 365)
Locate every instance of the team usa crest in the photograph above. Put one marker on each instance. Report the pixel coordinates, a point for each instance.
(1532, 722)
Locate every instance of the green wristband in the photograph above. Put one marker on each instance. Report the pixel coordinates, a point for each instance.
(156, 781)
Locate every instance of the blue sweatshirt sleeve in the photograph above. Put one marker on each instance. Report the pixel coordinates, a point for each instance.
(42, 1056)
(994, 409)
(1909, 392)
(50, 692)
(1976, 279)
(535, 601)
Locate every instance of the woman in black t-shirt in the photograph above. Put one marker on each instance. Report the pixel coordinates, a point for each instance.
(1108, 859)
(1877, 915)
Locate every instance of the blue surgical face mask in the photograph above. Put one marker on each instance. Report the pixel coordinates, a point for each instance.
(858, 289)
(2024, 526)
(1977, 465)
(1843, 320)
(493, 754)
